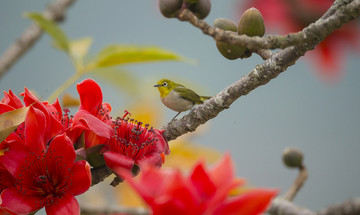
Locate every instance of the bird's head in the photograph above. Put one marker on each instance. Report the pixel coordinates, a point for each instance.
(165, 86)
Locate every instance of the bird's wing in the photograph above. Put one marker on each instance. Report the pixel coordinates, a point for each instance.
(189, 95)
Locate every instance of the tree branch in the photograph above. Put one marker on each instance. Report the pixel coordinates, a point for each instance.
(349, 207)
(281, 206)
(262, 74)
(342, 12)
(55, 11)
(113, 210)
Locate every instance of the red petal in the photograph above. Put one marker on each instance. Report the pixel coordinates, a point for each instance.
(67, 204)
(118, 163)
(252, 202)
(14, 158)
(12, 100)
(90, 95)
(60, 156)
(223, 172)
(93, 123)
(5, 108)
(19, 203)
(153, 159)
(162, 143)
(35, 122)
(201, 181)
(80, 177)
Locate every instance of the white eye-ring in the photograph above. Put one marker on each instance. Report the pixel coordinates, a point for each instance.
(165, 84)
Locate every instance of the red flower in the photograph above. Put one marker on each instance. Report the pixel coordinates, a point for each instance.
(134, 144)
(10, 102)
(202, 192)
(45, 174)
(294, 15)
(93, 116)
(54, 119)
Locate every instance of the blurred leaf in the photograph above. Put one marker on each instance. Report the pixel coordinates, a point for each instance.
(119, 78)
(9, 121)
(121, 54)
(69, 101)
(59, 37)
(79, 48)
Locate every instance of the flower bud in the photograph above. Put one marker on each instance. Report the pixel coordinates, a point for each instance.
(251, 23)
(293, 158)
(229, 51)
(169, 8)
(201, 9)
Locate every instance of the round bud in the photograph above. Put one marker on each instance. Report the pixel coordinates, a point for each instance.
(293, 158)
(229, 51)
(251, 23)
(201, 9)
(169, 8)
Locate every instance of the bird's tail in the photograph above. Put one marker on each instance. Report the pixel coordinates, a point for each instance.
(203, 98)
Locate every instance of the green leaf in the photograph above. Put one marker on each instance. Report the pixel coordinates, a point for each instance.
(114, 55)
(59, 37)
(118, 77)
(9, 121)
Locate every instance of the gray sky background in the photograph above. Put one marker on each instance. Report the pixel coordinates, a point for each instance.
(296, 109)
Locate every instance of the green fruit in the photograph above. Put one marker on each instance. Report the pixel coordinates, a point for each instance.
(192, 1)
(293, 158)
(227, 50)
(201, 9)
(169, 8)
(251, 23)
(225, 24)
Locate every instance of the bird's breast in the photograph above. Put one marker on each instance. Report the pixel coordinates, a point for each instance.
(174, 101)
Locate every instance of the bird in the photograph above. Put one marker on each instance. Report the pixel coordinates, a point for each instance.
(177, 97)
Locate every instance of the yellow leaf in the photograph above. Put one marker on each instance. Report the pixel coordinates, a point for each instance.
(69, 101)
(59, 37)
(80, 48)
(121, 54)
(119, 78)
(9, 121)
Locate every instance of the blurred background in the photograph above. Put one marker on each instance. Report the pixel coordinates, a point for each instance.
(300, 108)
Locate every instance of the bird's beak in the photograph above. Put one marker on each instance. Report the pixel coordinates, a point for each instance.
(157, 85)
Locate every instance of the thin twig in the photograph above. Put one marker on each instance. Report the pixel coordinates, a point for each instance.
(55, 11)
(342, 13)
(298, 183)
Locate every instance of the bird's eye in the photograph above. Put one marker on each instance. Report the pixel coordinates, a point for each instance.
(165, 84)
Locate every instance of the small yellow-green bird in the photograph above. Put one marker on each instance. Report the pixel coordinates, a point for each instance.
(177, 97)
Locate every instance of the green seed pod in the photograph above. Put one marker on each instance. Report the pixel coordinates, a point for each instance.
(229, 51)
(192, 1)
(201, 9)
(251, 23)
(293, 158)
(225, 24)
(169, 8)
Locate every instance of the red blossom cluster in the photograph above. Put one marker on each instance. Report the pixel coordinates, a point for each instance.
(203, 191)
(44, 162)
(47, 160)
